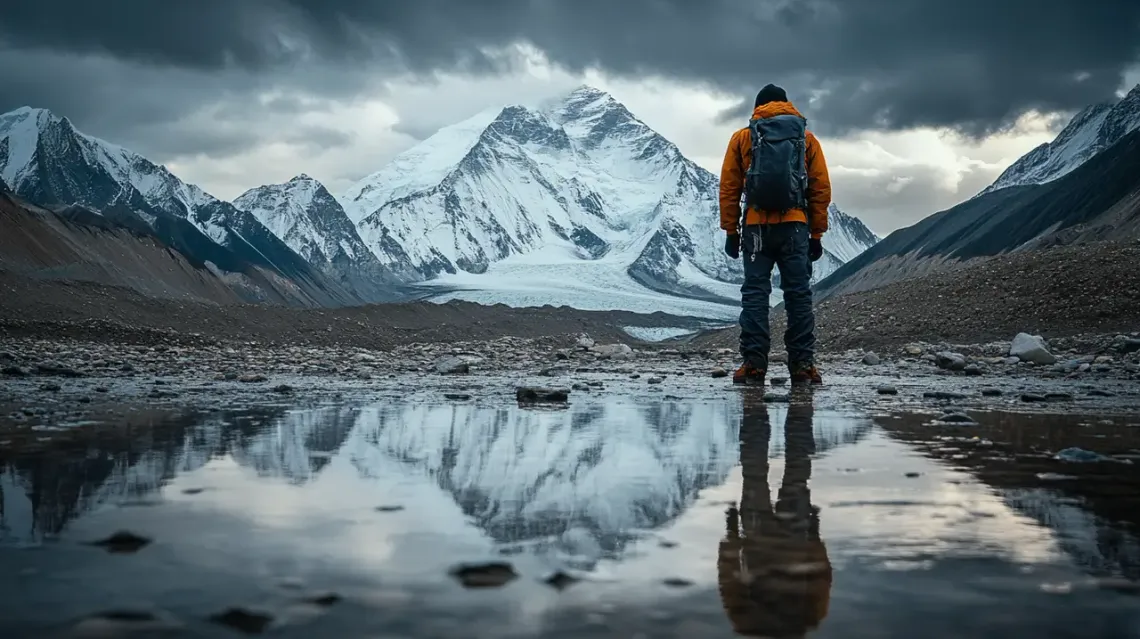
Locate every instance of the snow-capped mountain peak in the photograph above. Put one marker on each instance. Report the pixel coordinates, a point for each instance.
(1090, 131)
(46, 160)
(304, 215)
(576, 187)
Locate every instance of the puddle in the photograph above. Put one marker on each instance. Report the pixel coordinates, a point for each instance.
(618, 517)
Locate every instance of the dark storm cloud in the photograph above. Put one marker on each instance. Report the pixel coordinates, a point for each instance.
(970, 64)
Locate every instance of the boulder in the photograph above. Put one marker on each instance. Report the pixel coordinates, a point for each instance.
(451, 366)
(1031, 348)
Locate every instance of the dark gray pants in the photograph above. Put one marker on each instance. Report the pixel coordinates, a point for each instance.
(784, 246)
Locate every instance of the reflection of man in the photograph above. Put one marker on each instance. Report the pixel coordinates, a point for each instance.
(773, 570)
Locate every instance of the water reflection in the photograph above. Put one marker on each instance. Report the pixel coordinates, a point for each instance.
(1092, 509)
(43, 488)
(773, 571)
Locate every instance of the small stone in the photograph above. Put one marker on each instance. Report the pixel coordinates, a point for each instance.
(957, 418)
(51, 387)
(394, 508)
(871, 359)
(719, 373)
(251, 622)
(253, 378)
(888, 390)
(283, 389)
(531, 395)
(1033, 397)
(991, 392)
(913, 475)
(324, 600)
(554, 371)
(655, 380)
(101, 389)
(457, 397)
(972, 370)
(491, 574)
(452, 366)
(779, 381)
(1058, 397)
(560, 580)
(914, 350)
(950, 361)
(677, 582)
(122, 542)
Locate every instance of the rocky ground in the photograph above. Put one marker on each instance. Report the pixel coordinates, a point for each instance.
(53, 381)
(1059, 292)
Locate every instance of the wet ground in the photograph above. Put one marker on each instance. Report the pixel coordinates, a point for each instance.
(676, 509)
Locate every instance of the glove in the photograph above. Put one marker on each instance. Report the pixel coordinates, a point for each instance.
(732, 245)
(815, 249)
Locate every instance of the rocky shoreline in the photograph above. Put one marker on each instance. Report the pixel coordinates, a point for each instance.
(45, 381)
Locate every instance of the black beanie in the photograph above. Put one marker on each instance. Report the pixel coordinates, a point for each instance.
(770, 93)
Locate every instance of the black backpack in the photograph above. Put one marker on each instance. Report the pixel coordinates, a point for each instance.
(777, 178)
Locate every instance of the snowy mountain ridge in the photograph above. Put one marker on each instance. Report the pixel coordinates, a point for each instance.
(45, 160)
(1092, 130)
(303, 214)
(574, 201)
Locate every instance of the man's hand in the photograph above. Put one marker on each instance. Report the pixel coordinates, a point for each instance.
(732, 245)
(815, 249)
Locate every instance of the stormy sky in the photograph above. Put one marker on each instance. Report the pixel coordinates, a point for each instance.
(919, 103)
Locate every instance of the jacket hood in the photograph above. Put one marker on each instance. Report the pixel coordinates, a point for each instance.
(775, 108)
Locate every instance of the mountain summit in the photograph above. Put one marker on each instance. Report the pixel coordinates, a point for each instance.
(303, 214)
(45, 160)
(1092, 130)
(554, 203)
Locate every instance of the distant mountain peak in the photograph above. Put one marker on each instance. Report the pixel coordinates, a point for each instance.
(1092, 130)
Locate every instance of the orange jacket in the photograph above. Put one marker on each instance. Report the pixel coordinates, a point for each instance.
(739, 157)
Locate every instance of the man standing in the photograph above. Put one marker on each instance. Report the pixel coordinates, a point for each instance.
(778, 166)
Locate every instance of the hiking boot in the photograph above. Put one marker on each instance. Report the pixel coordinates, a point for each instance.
(804, 373)
(749, 374)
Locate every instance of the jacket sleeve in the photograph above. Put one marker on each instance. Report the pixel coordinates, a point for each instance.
(819, 188)
(732, 184)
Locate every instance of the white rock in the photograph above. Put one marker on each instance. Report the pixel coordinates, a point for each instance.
(585, 341)
(1031, 348)
(613, 350)
(871, 359)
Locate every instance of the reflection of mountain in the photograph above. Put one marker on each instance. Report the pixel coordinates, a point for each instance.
(41, 490)
(1089, 513)
(296, 446)
(592, 476)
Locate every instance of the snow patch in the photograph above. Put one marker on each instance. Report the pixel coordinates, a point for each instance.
(656, 334)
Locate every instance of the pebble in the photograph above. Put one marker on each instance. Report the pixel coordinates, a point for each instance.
(888, 390)
(532, 395)
(718, 373)
(871, 359)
